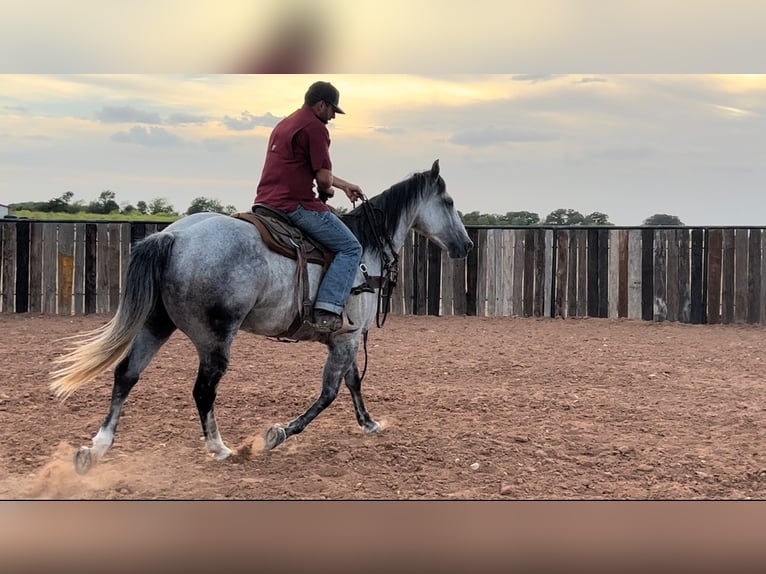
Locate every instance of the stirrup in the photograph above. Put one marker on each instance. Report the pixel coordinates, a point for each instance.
(327, 322)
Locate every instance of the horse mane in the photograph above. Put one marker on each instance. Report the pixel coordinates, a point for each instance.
(389, 206)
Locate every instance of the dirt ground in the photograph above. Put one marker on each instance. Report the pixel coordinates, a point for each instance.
(472, 408)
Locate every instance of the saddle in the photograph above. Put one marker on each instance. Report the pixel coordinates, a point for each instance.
(282, 237)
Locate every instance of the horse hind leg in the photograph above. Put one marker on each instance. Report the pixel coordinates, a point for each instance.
(212, 367)
(145, 346)
(354, 384)
(334, 369)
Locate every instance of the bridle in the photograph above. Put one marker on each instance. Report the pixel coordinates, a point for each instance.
(389, 264)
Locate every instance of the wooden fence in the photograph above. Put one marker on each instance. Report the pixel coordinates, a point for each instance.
(65, 268)
(687, 274)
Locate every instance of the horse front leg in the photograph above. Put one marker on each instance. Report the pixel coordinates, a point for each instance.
(354, 384)
(336, 366)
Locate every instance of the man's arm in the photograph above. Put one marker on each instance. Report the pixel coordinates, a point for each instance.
(326, 181)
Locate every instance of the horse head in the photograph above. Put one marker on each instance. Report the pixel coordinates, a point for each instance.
(437, 218)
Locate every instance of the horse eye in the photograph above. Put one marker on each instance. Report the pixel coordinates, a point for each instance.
(449, 202)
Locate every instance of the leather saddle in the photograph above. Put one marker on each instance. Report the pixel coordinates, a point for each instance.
(282, 237)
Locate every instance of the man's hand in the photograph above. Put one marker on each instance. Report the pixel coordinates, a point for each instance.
(354, 192)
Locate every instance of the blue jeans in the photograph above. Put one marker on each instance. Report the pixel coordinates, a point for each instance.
(330, 231)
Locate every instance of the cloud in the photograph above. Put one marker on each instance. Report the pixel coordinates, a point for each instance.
(389, 130)
(498, 135)
(534, 78)
(149, 137)
(590, 80)
(180, 119)
(127, 114)
(16, 109)
(248, 121)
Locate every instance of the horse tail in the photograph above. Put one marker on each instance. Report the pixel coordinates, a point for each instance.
(102, 348)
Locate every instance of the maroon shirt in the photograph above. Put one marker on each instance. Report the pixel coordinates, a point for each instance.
(299, 146)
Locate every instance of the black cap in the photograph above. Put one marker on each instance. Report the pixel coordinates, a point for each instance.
(323, 91)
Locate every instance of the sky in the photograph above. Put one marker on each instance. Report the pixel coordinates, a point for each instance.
(625, 145)
(625, 108)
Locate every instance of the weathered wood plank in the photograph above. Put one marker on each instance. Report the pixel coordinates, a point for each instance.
(518, 272)
(481, 272)
(593, 275)
(684, 267)
(727, 272)
(647, 274)
(22, 266)
(8, 292)
(447, 285)
(125, 254)
(539, 287)
(434, 278)
(740, 275)
(660, 306)
(102, 269)
(529, 272)
(763, 278)
(91, 232)
(548, 275)
(36, 267)
(715, 251)
(603, 273)
(673, 311)
(614, 273)
(472, 274)
(582, 273)
(634, 273)
(754, 277)
(573, 272)
(113, 264)
(78, 287)
(491, 272)
(408, 276)
(459, 283)
(65, 256)
(562, 273)
(506, 281)
(697, 277)
(50, 262)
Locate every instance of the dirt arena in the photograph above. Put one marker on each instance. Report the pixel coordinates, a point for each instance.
(472, 408)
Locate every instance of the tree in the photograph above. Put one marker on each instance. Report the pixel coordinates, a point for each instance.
(200, 204)
(596, 218)
(659, 219)
(142, 208)
(59, 204)
(160, 205)
(104, 204)
(521, 218)
(564, 217)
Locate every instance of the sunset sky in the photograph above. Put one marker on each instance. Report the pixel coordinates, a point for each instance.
(625, 145)
(592, 105)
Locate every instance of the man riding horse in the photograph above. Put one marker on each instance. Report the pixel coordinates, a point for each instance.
(298, 154)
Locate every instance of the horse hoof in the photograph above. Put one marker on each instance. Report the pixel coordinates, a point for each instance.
(371, 428)
(274, 437)
(83, 460)
(222, 454)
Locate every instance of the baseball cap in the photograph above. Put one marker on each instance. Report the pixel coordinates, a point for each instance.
(319, 91)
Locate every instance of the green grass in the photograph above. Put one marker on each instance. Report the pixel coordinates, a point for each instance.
(159, 218)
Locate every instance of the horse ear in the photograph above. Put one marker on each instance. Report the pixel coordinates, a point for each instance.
(435, 170)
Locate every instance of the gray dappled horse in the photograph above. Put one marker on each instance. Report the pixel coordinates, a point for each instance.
(211, 275)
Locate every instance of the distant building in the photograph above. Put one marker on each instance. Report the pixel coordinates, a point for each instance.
(3, 210)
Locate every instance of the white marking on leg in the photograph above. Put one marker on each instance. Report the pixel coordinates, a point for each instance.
(102, 441)
(213, 441)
